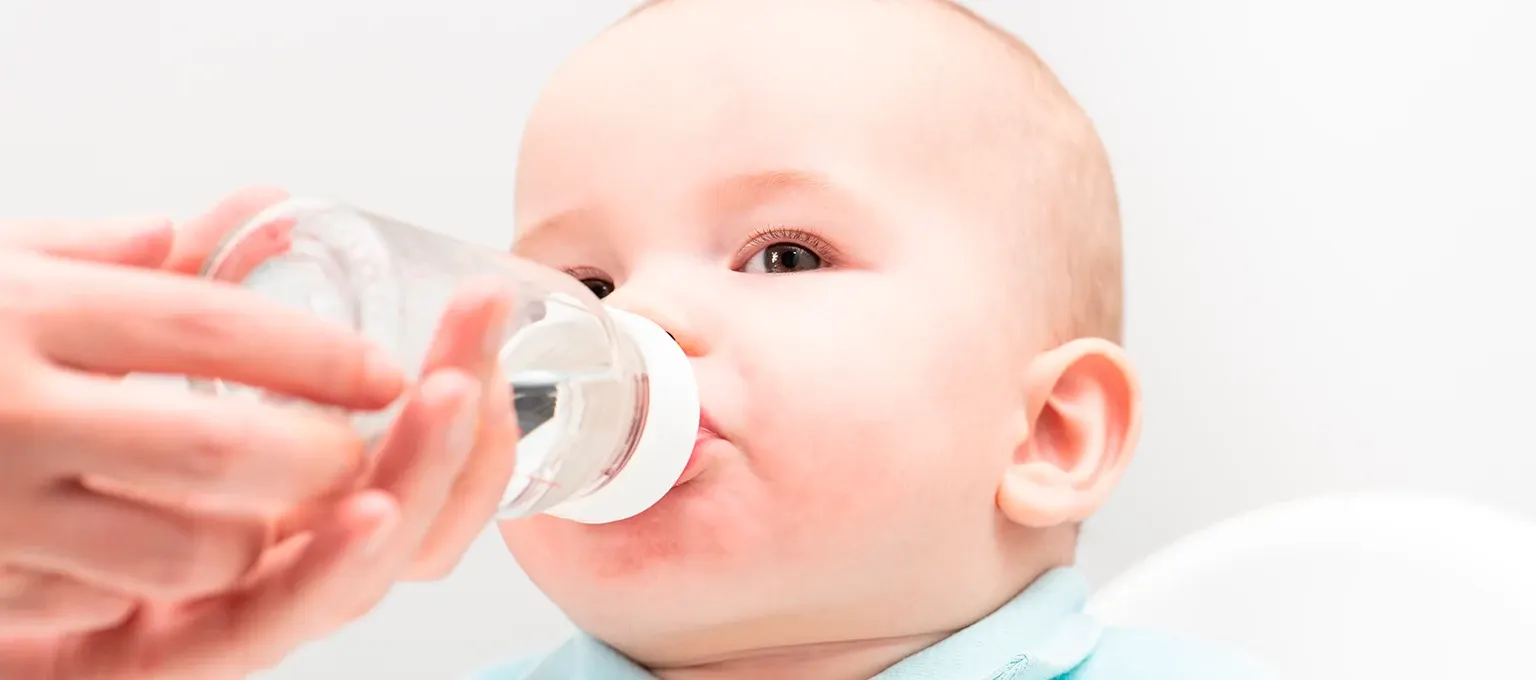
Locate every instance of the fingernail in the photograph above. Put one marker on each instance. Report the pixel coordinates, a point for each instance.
(461, 434)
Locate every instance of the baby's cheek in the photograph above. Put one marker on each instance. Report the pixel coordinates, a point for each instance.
(837, 457)
(858, 431)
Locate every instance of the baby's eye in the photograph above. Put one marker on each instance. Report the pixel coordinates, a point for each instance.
(594, 279)
(600, 287)
(782, 258)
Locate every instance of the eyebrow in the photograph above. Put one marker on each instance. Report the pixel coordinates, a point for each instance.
(555, 224)
(778, 179)
(756, 186)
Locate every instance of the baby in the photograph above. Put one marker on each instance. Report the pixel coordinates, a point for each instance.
(889, 240)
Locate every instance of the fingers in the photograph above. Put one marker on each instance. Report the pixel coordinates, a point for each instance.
(144, 242)
(259, 458)
(231, 635)
(352, 561)
(423, 455)
(37, 604)
(472, 331)
(199, 237)
(477, 492)
(131, 547)
(121, 321)
(346, 566)
(318, 593)
(469, 339)
(349, 562)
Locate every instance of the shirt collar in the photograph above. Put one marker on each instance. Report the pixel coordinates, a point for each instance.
(1042, 633)
(586, 657)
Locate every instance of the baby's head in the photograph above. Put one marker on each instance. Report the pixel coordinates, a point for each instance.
(889, 240)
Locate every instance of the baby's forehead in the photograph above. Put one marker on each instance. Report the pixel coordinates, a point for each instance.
(744, 85)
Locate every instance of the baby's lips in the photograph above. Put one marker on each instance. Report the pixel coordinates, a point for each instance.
(707, 427)
(696, 460)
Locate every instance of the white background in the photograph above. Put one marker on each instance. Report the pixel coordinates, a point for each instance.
(1329, 206)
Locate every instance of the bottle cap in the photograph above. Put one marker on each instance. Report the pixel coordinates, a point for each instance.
(666, 441)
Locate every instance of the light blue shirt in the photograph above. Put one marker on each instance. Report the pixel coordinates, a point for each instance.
(1043, 634)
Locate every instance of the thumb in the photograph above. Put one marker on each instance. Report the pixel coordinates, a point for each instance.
(143, 242)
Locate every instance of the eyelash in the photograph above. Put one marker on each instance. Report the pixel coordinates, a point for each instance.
(763, 238)
(823, 250)
(585, 272)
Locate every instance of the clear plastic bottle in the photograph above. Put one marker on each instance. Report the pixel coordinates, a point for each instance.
(606, 399)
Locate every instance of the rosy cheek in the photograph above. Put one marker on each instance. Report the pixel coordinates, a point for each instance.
(818, 464)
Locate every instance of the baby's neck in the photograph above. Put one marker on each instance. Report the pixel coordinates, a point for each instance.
(854, 659)
(858, 660)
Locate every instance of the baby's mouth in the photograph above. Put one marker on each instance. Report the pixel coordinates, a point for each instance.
(696, 460)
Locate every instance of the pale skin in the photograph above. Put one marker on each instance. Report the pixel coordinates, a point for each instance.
(113, 563)
(907, 434)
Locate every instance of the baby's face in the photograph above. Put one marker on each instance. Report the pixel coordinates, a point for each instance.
(781, 194)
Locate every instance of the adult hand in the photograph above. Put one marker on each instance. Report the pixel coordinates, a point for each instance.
(81, 303)
(477, 489)
(478, 486)
(421, 511)
(434, 477)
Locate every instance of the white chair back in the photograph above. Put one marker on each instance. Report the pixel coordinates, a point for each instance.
(1376, 585)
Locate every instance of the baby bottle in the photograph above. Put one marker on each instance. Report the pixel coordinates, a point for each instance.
(605, 399)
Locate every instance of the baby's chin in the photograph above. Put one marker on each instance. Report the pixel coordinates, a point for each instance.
(696, 526)
(659, 569)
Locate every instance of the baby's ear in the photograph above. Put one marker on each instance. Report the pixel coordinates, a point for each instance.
(1085, 415)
